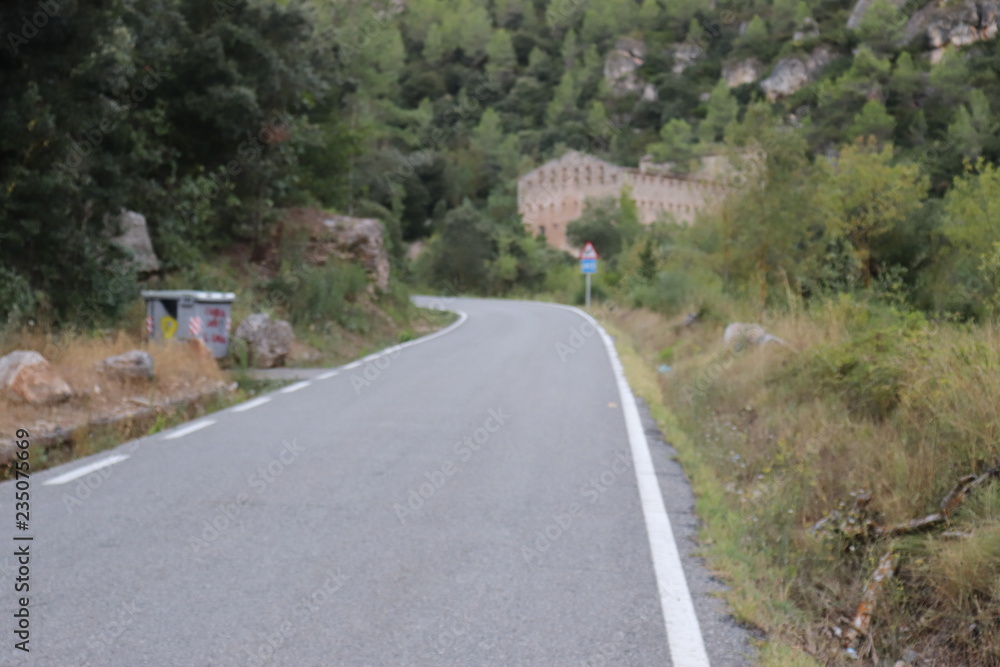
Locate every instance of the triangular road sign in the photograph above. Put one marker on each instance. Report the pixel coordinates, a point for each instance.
(589, 252)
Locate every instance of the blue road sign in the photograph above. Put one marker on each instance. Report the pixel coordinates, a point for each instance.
(588, 266)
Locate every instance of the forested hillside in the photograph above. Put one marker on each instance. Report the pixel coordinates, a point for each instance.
(209, 117)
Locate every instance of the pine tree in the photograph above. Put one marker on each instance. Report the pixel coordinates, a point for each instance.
(722, 110)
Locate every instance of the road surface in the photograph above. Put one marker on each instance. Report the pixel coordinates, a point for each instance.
(470, 499)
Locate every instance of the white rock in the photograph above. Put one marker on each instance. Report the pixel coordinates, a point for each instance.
(27, 376)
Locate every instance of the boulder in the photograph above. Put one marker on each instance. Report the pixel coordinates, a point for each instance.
(792, 73)
(26, 376)
(132, 365)
(740, 334)
(135, 241)
(360, 239)
(743, 71)
(268, 341)
(620, 67)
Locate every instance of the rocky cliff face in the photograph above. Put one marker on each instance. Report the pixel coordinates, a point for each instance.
(620, 67)
(954, 24)
(792, 73)
(343, 237)
(743, 71)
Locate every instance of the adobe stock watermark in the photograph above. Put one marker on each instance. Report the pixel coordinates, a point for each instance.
(99, 643)
(227, 513)
(90, 483)
(592, 492)
(578, 337)
(373, 368)
(457, 632)
(90, 139)
(286, 629)
(464, 449)
(47, 10)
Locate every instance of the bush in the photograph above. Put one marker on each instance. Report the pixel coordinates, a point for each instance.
(314, 295)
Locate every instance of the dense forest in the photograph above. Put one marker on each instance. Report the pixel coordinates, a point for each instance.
(876, 174)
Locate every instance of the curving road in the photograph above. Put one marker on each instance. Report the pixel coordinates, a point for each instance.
(469, 499)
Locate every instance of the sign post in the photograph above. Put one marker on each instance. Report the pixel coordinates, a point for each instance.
(588, 265)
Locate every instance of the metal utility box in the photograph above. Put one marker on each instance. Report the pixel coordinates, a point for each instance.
(187, 314)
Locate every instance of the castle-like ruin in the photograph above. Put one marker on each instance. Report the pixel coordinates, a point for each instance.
(553, 195)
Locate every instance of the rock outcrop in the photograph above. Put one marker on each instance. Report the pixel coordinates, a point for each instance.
(793, 73)
(743, 71)
(28, 377)
(957, 24)
(359, 239)
(269, 342)
(132, 365)
(342, 237)
(135, 241)
(620, 67)
(685, 55)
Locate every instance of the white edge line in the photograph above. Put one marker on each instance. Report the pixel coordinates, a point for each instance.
(327, 376)
(249, 405)
(687, 648)
(295, 387)
(86, 470)
(191, 428)
(393, 350)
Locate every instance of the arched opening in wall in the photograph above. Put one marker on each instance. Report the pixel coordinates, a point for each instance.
(587, 174)
(541, 230)
(600, 175)
(614, 178)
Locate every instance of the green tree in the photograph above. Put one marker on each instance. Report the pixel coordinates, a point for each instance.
(882, 25)
(676, 145)
(434, 48)
(865, 196)
(500, 54)
(629, 221)
(974, 126)
(564, 101)
(722, 110)
(599, 225)
(873, 120)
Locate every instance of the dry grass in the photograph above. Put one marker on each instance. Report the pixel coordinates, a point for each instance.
(863, 401)
(179, 371)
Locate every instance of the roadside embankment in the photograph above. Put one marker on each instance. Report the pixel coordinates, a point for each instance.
(846, 481)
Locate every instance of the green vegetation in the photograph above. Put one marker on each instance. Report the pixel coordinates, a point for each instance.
(859, 224)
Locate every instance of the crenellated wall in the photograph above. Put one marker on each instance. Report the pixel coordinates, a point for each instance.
(553, 195)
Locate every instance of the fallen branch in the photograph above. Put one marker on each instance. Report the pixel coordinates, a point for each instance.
(857, 525)
(861, 625)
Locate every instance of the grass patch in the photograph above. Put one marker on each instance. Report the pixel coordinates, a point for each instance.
(92, 439)
(868, 401)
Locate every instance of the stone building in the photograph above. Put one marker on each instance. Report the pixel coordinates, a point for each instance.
(552, 195)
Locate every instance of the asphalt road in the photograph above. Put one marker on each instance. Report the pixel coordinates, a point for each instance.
(471, 499)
